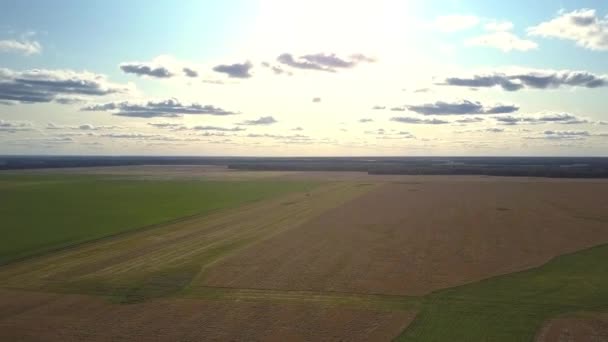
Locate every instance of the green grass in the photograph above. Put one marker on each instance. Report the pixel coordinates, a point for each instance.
(513, 307)
(40, 213)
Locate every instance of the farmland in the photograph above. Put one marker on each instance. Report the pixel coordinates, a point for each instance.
(45, 212)
(289, 255)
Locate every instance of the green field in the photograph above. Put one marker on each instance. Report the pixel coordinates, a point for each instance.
(513, 307)
(40, 213)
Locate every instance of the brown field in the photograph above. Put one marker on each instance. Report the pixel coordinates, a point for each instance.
(591, 327)
(410, 238)
(29, 316)
(337, 263)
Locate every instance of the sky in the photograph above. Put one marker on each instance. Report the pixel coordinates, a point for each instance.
(304, 78)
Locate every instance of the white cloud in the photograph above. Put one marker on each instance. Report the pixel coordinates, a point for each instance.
(582, 26)
(40, 85)
(500, 37)
(24, 47)
(495, 25)
(456, 22)
(502, 40)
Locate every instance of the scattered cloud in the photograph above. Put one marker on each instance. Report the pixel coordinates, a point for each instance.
(323, 62)
(469, 120)
(189, 72)
(15, 126)
(24, 47)
(456, 22)
(294, 138)
(166, 108)
(69, 100)
(366, 120)
(500, 37)
(217, 128)
(531, 78)
(495, 130)
(40, 85)
(82, 127)
(316, 100)
(422, 90)
(264, 120)
(297, 129)
(582, 26)
(558, 118)
(568, 133)
(502, 40)
(460, 108)
(418, 121)
(165, 125)
(237, 70)
(146, 69)
(276, 69)
(379, 107)
(495, 25)
(161, 67)
(562, 135)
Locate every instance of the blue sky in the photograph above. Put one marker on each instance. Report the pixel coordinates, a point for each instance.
(316, 69)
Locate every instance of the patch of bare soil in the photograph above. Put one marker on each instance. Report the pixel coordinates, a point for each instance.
(575, 329)
(30, 316)
(410, 238)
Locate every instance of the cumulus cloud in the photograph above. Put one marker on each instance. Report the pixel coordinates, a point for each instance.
(24, 47)
(14, 126)
(460, 108)
(165, 108)
(264, 120)
(237, 70)
(418, 121)
(456, 22)
(581, 26)
(146, 69)
(323, 61)
(530, 78)
(39, 85)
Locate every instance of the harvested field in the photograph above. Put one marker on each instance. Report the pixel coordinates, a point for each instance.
(413, 237)
(30, 316)
(588, 327)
